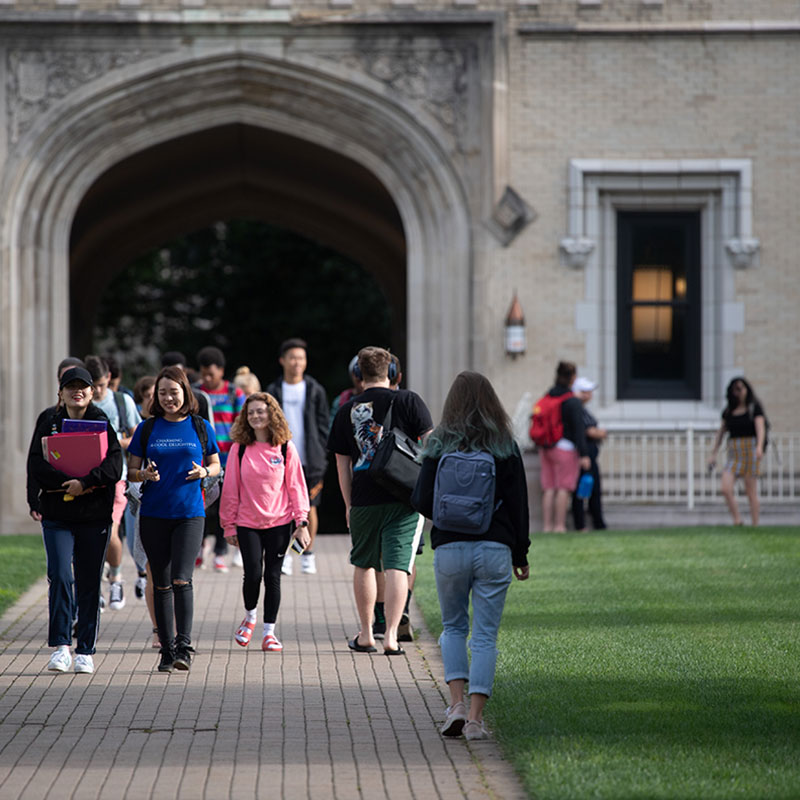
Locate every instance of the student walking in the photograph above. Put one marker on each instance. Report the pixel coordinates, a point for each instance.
(264, 501)
(75, 513)
(178, 449)
(744, 421)
(479, 563)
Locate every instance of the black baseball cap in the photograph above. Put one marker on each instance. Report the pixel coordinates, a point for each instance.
(76, 374)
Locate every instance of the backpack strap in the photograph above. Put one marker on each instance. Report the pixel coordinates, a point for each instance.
(122, 411)
(147, 429)
(202, 433)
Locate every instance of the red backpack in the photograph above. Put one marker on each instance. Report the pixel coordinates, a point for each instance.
(547, 424)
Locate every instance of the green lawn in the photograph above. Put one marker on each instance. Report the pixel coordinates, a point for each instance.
(651, 664)
(22, 561)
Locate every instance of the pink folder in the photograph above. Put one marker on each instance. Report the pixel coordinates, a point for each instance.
(75, 454)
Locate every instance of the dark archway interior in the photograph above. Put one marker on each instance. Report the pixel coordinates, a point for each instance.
(228, 172)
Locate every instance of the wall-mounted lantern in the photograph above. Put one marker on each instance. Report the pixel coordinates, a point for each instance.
(515, 329)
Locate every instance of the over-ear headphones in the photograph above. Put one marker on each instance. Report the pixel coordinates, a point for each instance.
(391, 372)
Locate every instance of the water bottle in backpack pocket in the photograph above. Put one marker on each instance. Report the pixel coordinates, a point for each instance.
(463, 493)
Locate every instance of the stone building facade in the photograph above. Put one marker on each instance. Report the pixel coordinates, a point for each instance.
(628, 168)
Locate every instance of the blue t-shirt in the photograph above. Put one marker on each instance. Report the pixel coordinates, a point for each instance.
(173, 446)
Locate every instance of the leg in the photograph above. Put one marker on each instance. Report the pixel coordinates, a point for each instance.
(727, 483)
(91, 542)
(157, 542)
(114, 554)
(578, 513)
(275, 543)
(560, 510)
(148, 597)
(313, 527)
(365, 591)
(492, 570)
(751, 487)
(250, 546)
(58, 545)
(186, 538)
(396, 593)
(379, 625)
(596, 500)
(452, 567)
(548, 503)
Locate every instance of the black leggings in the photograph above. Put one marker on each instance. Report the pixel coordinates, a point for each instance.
(172, 546)
(262, 554)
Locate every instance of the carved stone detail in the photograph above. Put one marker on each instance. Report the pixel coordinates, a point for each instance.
(36, 79)
(743, 252)
(437, 80)
(575, 250)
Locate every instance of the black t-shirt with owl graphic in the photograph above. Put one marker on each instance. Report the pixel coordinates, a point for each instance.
(357, 429)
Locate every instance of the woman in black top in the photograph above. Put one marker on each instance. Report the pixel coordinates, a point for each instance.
(469, 565)
(75, 512)
(744, 422)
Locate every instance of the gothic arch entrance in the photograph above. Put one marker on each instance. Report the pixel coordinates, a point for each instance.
(397, 152)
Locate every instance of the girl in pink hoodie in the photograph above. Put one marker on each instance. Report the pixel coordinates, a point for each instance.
(264, 505)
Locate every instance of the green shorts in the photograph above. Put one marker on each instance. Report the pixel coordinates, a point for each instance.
(384, 536)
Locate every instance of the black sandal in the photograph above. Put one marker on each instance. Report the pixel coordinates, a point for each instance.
(361, 648)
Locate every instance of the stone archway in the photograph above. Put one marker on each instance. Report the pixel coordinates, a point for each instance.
(116, 116)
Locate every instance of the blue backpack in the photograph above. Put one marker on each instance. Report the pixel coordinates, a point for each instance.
(463, 493)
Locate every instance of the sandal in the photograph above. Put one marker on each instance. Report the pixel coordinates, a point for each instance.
(271, 644)
(244, 633)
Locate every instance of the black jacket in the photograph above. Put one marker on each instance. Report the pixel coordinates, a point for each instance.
(96, 506)
(316, 415)
(510, 523)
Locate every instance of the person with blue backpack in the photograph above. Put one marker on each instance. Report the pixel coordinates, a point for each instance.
(472, 485)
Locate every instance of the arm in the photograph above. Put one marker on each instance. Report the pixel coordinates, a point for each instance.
(515, 497)
(712, 460)
(295, 482)
(344, 468)
(761, 435)
(134, 417)
(229, 498)
(322, 416)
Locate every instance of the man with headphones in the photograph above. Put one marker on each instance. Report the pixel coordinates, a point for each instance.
(305, 406)
(384, 531)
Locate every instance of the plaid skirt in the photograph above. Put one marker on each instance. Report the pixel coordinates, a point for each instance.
(742, 460)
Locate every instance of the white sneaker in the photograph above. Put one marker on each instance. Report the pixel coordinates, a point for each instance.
(84, 664)
(308, 564)
(219, 564)
(141, 586)
(236, 560)
(286, 569)
(61, 660)
(116, 597)
(474, 730)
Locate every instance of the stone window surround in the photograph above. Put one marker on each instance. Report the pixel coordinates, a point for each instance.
(721, 189)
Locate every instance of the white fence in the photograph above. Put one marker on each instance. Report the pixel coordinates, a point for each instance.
(670, 466)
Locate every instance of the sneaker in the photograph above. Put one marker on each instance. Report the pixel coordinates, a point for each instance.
(183, 657)
(308, 564)
(379, 629)
(474, 729)
(141, 585)
(116, 597)
(455, 718)
(198, 563)
(102, 603)
(167, 663)
(271, 644)
(236, 560)
(84, 664)
(60, 661)
(404, 633)
(219, 564)
(286, 568)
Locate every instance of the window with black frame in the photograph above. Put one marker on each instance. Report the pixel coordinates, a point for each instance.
(658, 305)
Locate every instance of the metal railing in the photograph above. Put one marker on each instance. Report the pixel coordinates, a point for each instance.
(670, 466)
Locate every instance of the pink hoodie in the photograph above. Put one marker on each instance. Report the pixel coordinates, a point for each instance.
(266, 494)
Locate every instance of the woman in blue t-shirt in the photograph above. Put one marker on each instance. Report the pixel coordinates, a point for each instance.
(172, 515)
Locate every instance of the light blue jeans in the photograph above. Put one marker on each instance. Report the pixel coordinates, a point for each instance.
(484, 569)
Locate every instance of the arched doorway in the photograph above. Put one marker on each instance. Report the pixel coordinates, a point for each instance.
(115, 117)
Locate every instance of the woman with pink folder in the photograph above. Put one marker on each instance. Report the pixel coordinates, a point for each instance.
(75, 512)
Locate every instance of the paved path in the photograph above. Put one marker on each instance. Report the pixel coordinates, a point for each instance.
(316, 721)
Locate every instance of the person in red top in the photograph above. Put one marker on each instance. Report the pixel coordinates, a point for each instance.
(263, 498)
(227, 400)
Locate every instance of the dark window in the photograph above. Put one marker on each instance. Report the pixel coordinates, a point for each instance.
(658, 305)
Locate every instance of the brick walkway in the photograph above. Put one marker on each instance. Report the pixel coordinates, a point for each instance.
(316, 721)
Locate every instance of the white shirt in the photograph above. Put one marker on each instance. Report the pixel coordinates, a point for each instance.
(294, 403)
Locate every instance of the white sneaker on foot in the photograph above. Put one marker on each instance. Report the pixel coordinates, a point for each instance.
(219, 564)
(455, 718)
(84, 664)
(286, 568)
(116, 597)
(474, 730)
(60, 661)
(308, 564)
(236, 561)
